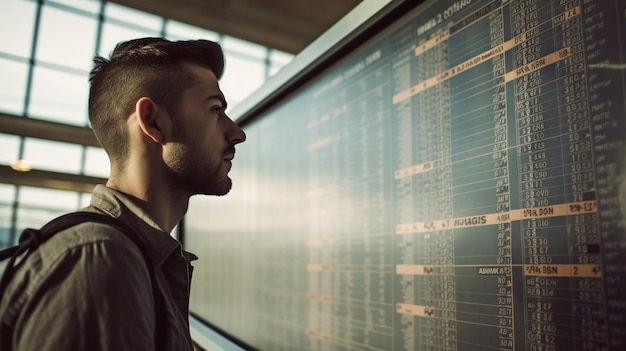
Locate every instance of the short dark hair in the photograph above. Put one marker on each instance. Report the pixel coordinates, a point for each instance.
(151, 67)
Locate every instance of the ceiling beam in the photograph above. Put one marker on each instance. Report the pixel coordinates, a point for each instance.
(286, 25)
(37, 128)
(50, 180)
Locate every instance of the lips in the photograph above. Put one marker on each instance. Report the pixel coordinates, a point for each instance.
(230, 154)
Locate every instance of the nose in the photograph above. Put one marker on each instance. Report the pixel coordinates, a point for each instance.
(236, 135)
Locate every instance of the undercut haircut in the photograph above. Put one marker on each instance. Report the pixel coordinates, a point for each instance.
(145, 67)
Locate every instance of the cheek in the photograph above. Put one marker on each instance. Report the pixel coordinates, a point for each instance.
(188, 138)
(201, 140)
(177, 157)
(210, 141)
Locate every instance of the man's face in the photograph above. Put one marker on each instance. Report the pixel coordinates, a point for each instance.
(204, 138)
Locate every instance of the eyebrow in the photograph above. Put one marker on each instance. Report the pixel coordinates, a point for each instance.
(219, 97)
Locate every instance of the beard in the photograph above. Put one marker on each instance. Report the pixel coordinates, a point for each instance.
(196, 174)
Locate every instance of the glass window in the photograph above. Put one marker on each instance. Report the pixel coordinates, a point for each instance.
(53, 156)
(114, 33)
(97, 162)
(126, 14)
(13, 86)
(7, 196)
(244, 47)
(48, 198)
(16, 26)
(34, 217)
(85, 5)
(278, 59)
(181, 31)
(59, 96)
(66, 38)
(38, 206)
(241, 78)
(85, 200)
(10, 148)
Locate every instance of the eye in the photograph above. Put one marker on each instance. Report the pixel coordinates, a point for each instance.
(217, 108)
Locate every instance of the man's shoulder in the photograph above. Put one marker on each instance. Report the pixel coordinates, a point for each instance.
(80, 253)
(84, 240)
(90, 242)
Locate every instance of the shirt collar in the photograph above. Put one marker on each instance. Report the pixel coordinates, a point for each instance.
(159, 243)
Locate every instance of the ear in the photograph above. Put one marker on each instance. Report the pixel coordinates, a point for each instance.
(149, 119)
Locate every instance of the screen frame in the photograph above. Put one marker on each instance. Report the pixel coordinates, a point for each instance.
(359, 25)
(209, 337)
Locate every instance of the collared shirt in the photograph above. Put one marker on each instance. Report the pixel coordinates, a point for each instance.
(89, 288)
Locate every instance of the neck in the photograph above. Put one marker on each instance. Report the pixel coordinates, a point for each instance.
(166, 206)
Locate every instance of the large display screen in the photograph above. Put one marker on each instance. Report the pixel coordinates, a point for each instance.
(454, 180)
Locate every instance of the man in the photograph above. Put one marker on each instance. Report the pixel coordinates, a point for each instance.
(156, 108)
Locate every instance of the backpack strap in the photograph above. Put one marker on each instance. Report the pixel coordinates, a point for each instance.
(30, 239)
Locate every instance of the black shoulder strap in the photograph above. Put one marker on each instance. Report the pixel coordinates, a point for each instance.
(30, 239)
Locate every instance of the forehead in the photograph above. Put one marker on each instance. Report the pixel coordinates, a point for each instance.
(205, 80)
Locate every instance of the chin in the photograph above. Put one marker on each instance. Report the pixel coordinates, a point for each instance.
(217, 189)
(214, 182)
(221, 192)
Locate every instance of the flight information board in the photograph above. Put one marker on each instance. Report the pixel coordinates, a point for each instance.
(456, 182)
